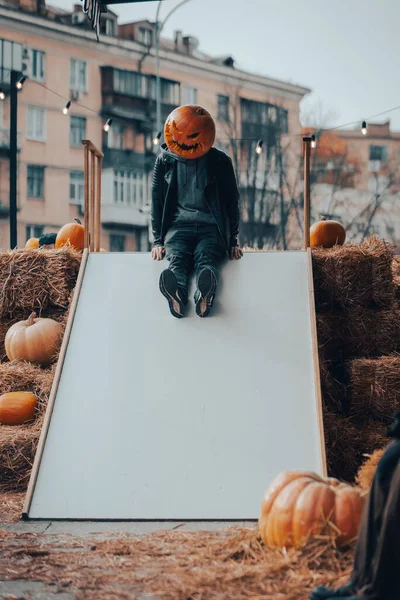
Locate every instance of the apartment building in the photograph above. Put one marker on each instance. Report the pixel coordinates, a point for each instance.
(356, 179)
(115, 79)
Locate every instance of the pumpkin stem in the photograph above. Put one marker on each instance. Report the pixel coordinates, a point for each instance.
(78, 221)
(31, 319)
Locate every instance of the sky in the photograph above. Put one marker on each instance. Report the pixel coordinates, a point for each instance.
(347, 52)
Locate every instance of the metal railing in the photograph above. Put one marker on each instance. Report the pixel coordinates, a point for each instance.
(92, 207)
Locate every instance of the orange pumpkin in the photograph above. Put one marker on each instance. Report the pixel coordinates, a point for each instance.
(189, 131)
(32, 243)
(72, 234)
(35, 340)
(327, 233)
(300, 504)
(17, 408)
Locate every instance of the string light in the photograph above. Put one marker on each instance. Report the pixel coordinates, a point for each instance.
(20, 83)
(2, 94)
(313, 141)
(259, 148)
(66, 107)
(107, 125)
(364, 128)
(157, 138)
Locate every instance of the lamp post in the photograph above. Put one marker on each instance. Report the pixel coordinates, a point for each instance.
(159, 28)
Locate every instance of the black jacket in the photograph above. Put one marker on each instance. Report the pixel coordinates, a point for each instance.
(221, 194)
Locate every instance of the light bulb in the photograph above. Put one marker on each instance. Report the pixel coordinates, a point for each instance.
(156, 139)
(259, 147)
(107, 125)
(313, 141)
(364, 128)
(20, 83)
(2, 95)
(66, 107)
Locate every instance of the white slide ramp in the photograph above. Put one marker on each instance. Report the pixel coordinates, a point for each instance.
(155, 418)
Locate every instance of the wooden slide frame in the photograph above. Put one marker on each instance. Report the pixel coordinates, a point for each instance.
(57, 377)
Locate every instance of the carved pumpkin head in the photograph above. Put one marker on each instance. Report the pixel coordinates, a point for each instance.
(189, 131)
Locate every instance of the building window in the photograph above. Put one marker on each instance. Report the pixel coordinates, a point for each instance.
(189, 95)
(170, 91)
(78, 75)
(34, 231)
(145, 36)
(107, 27)
(117, 242)
(10, 59)
(77, 130)
(115, 137)
(130, 83)
(37, 65)
(378, 153)
(223, 108)
(35, 181)
(76, 187)
(36, 123)
(129, 187)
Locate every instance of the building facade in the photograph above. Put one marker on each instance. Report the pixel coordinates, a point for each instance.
(356, 179)
(115, 79)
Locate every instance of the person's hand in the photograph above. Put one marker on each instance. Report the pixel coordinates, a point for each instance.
(158, 253)
(236, 252)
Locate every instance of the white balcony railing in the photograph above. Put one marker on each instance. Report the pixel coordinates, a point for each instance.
(5, 139)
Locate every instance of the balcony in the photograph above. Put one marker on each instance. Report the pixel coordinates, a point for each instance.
(124, 197)
(122, 159)
(131, 96)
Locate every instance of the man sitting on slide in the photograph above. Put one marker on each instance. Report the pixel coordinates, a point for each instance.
(195, 209)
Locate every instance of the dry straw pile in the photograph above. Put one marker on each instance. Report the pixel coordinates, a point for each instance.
(358, 323)
(40, 281)
(230, 564)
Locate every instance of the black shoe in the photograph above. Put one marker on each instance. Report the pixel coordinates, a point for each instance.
(324, 593)
(205, 293)
(170, 289)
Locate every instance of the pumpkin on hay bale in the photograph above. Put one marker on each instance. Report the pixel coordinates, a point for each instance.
(352, 276)
(40, 282)
(20, 376)
(17, 408)
(35, 340)
(300, 505)
(71, 235)
(327, 233)
(374, 388)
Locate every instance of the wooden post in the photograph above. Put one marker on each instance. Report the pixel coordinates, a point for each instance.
(307, 200)
(98, 204)
(92, 178)
(92, 206)
(86, 188)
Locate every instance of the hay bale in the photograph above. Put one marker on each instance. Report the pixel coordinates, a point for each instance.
(24, 376)
(396, 276)
(17, 452)
(333, 388)
(18, 444)
(354, 275)
(36, 280)
(374, 388)
(358, 333)
(367, 470)
(342, 443)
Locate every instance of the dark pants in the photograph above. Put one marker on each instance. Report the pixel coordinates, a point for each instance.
(193, 246)
(376, 573)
